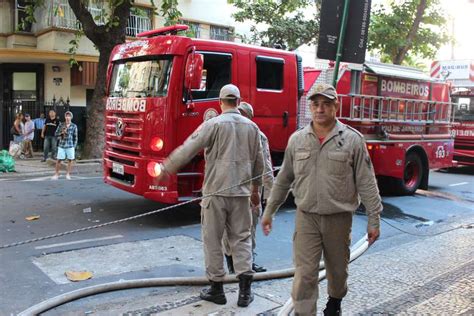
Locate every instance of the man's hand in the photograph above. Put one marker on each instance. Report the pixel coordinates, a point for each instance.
(266, 225)
(373, 235)
(164, 175)
(255, 198)
(42, 135)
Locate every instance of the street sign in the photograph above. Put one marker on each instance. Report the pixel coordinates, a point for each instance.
(355, 40)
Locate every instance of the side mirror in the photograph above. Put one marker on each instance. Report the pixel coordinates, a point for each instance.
(193, 76)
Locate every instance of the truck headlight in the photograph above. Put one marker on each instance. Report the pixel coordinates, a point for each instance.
(154, 169)
(156, 144)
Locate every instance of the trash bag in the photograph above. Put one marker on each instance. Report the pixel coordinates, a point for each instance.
(14, 149)
(7, 163)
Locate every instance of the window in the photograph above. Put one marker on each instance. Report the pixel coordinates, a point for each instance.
(221, 33)
(139, 21)
(269, 73)
(142, 78)
(215, 74)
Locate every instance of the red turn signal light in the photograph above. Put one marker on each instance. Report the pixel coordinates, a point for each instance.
(154, 169)
(156, 144)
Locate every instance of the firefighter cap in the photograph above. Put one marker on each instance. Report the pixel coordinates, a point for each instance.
(229, 91)
(246, 108)
(326, 90)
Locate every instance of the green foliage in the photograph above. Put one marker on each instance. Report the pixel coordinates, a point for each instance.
(390, 28)
(169, 10)
(74, 47)
(30, 9)
(283, 22)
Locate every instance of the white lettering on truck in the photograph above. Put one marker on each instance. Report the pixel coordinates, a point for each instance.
(126, 105)
(402, 87)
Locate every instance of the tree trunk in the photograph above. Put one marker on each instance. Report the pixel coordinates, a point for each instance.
(95, 129)
(105, 38)
(402, 51)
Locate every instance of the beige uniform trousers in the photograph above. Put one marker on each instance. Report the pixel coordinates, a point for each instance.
(256, 213)
(314, 235)
(231, 214)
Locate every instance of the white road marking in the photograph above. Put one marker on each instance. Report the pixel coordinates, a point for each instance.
(78, 242)
(456, 184)
(124, 257)
(48, 178)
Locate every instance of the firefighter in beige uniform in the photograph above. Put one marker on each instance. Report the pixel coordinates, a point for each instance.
(247, 110)
(233, 154)
(329, 168)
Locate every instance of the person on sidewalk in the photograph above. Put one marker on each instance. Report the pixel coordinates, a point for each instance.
(18, 128)
(39, 124)
(232, 154)
(48, 133)
(247, 110)
(28, 136)
(67, 133)
(329, 169)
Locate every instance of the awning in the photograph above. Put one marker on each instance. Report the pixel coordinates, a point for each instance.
(397, 71)
(85, 74)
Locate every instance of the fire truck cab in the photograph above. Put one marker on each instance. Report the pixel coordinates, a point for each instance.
(163, 86)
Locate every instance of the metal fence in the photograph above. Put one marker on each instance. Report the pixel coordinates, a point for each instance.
(9, 109)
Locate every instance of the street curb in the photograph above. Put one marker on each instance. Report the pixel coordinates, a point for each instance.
(78, 168)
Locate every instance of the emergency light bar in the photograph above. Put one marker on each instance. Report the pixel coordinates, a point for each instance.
(167, 30)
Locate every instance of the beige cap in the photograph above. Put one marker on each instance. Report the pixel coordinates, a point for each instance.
(229, 91)
(246, 108)
(326, 90)
(68, 113)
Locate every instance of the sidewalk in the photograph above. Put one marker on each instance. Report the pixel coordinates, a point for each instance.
(34, 167)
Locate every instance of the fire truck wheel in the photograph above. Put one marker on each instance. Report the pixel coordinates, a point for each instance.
(413, 174)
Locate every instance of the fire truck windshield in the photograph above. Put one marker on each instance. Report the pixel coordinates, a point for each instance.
(140, 78)
(464, 108)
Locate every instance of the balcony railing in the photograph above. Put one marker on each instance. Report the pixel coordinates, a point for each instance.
(59, 14)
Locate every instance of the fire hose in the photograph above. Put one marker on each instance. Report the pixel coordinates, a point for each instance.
(356, 251)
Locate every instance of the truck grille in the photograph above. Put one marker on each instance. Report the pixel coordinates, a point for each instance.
(130, 143)
(123, 142)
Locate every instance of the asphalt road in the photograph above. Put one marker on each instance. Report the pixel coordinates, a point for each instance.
(164, 244)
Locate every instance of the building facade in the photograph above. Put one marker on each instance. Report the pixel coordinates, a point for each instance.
(34, 57)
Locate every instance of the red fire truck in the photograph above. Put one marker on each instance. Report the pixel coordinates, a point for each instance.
(163, 86)
(460, 74)
(463, 126)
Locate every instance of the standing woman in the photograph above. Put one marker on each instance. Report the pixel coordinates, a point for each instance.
(18, 127)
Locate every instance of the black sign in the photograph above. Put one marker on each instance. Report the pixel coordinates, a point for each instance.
(355, 40)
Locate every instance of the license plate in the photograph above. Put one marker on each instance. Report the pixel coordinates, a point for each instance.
(117, 168)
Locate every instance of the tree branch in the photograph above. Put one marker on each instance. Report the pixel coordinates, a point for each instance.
(412, 33)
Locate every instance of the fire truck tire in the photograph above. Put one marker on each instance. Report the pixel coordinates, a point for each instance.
(412, 175)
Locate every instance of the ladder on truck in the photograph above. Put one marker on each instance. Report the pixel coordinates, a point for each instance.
(368, 108)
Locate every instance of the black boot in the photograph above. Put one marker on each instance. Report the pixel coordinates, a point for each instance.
(257, 268)
(333, 307)
(230, 264)
(245, 290)
(214, 294)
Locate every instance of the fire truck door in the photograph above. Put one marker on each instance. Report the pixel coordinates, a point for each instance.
(270, 95)
(217, 72)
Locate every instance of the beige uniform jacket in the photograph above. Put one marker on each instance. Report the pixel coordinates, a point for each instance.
(233, 153)
(327, 178)
(268, 167)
